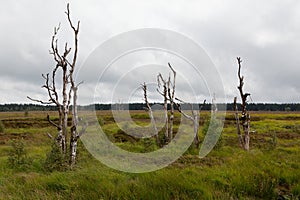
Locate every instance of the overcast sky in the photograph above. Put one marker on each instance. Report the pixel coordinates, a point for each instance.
(266, 34)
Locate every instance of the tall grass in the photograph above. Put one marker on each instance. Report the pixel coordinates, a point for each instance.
(226, 173)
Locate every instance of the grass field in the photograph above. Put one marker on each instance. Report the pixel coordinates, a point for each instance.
(270, 170)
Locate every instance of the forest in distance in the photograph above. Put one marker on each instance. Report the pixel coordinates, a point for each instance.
(141, 106)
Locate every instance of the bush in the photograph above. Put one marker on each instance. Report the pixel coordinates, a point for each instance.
(55, 160)
(17, 158)
(2, 127)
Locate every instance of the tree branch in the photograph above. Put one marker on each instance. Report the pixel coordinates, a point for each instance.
(39, 101)
(54, 124)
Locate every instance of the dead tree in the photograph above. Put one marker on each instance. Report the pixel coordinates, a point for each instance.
(149, 109)
(168, 93)
(68, 92)
(244, 140)
(171, 94)
(194, 117)
(164, 93)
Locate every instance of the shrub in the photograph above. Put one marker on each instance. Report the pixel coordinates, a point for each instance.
(149, 144)
(17, 158)
(55, 160)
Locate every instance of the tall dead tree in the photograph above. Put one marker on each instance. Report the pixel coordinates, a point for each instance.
(164, 93)
(244, 140)
(168, 93)
(171, 94)
(62, 99)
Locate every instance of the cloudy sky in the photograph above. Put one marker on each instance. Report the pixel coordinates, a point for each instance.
(266, 34)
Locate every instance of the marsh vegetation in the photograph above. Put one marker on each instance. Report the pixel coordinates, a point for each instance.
(269, 170)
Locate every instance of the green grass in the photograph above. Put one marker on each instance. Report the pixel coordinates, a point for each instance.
(268, 171)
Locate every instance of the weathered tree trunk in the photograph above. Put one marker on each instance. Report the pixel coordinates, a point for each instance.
(153, 123)
(164, 93)
(65, 110)
(247, 132)
(74, 135)
(245, 114)
(171, 94)
(214, 108)
(170, 136)
(238, 129)
(166, 115)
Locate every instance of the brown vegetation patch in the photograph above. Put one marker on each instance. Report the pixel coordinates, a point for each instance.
(283, 135)
(4, 138)
(29, 122)
(121, 136)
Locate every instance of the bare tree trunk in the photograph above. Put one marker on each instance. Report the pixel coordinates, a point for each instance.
(171, 94)
(164, 94)
(75, 135)
(236, 114)
(65, 110)
(170, 135)
(247, 132)
(214, 105)
(74, 88)
(166, 116)
(245, 114)
(144, 86)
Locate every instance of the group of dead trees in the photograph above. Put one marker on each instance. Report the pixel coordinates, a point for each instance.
(64, 96)
(166, 88)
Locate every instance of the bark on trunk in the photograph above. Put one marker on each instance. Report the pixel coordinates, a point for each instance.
(74, 135)
(164, 93)
(153, 123)
(245, 119)
(65, 110)
(238, 129)
(247, 132)
(171, 94)
(166, 116)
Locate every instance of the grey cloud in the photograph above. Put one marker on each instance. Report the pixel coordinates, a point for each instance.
(266, 34)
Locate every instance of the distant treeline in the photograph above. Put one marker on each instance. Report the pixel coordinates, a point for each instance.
(141, 106)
